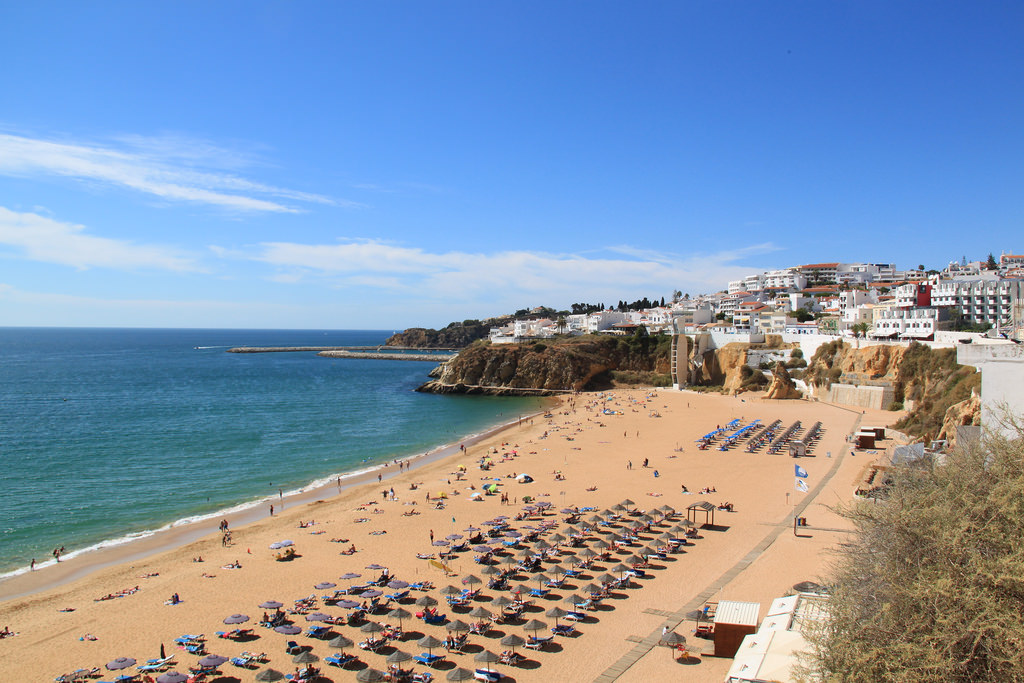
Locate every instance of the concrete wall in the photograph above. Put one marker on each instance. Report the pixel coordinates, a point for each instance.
(861, 396)
(1002, 380)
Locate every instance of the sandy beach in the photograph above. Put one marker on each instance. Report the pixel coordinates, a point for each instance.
(579, 456)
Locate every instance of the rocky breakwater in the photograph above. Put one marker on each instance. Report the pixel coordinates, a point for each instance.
(548, 367)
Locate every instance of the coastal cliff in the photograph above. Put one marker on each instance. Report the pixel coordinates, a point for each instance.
(927, 381)
(551, 366)
(454, 336)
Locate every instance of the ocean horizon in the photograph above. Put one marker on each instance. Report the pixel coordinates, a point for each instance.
(112, 434)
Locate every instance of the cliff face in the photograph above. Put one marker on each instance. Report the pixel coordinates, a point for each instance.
(578, 364)
(927, 380)
(960, 414)
(455, 336)
(722, 366)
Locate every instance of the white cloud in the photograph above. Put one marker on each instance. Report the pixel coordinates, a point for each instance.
(41, 238)
(171, 168)
(509, 276)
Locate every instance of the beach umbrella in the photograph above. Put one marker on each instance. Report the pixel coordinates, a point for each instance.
(399, 613)
(429, 642)
(454, 537)
(348, 576)
(599, 544)
(346, 604)
(212, 660)
(369, 675)
(556, 613)
(591, 588)
(605, 579)
(557, 537)
(483, 549)
(171, 677)
(426, 601)
(509, 560)
(541, 578)
(487, 657)
(398, 585)
(340, 642)
(697, 615)
(375, 567)
(519, 590)
(575, 600)
(541, 545)
(672, 639)
(568, 511)
(441, 543)
(513, 533)
(305, 657)
(480, 612)
(398, 656)
(513, 641)
(471, 529)
(457, 626)
(269, 675)
(271, 604)
(459, 674)
(587, 553)
(371, 627)
(275, 546)
(236, 619)
(627, 502)
(288, 629)
(501, 601)
(471, 580)
(534, 625)
(372, 593)
(620, 568)
(807, 587)
(120, 663)
(450, 590)
(490, 570)
(525, 554)
(318, 616)
(324, 585)
(556, 569)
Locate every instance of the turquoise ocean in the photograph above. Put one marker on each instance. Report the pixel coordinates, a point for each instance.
(112, 434)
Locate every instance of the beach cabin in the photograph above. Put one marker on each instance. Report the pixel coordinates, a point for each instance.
(797, 449)
(734, 621)
(865, 439)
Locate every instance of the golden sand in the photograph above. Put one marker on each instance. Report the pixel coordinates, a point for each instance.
(751, 555)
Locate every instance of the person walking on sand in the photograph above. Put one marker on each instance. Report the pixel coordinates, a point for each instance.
(431, 536)
(271, 510)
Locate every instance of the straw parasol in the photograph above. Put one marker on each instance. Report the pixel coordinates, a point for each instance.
(398, 656)
(459, 674)
(340, 642)
(269, 675)
(480, 612)
(457, 626)
(371, 627)
(513, 641)
(306, 657)
(426, 601)
(369, 675)
(534, 625)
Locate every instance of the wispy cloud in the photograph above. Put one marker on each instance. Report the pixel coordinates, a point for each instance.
(508, 276)
(171, 168)
(41, 238)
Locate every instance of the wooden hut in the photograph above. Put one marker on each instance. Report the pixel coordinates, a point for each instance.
(733, 621)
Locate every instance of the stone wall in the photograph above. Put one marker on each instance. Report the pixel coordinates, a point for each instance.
(861, 396)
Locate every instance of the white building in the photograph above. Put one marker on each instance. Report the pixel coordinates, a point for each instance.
(997, 302)
(908, 323)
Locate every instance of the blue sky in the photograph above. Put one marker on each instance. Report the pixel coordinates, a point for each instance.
(391, 164)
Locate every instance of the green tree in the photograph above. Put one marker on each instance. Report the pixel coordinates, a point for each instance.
(990, 263)
(802, 315)
(931, 585)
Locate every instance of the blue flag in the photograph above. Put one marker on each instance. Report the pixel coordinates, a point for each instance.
(800, 471)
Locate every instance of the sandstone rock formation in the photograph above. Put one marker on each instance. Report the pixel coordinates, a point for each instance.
(782, 385)
(582, 363)
(966, 412)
